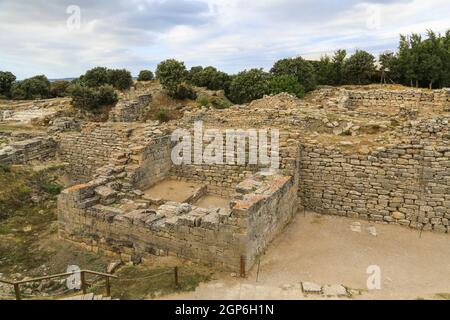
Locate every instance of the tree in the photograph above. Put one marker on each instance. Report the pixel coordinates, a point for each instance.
(120, 79)
(360, 67)
(59, 88)
(6, 82)
(298, 67)
(37, 87)
(210, 78)
(288, 84)
(249, 85)
(145, 75)
(338, 61)
(89, 98)
(389, 67)
(171, 73)
(324, 71)
(193, 71)
(185, 91)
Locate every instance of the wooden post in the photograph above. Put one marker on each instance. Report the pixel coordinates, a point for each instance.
(17, 291)
(242, 266)
(83, 282)
(176, 276)
(108, 287)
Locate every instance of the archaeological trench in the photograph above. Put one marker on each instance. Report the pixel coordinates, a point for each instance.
(365, 153)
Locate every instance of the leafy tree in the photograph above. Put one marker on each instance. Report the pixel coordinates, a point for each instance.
(324, 71)
(171, 73)
(249, 85)
(120, 79)
(106, 95)
(210, 78)
(338, 61)
(288, 84)
(145, 75)
(298, 67)
(389, 67)
(193, 71)
(6, 82)
(360, 67)
(59, 88)
(37, 87)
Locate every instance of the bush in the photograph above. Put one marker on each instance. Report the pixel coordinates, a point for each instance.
(37, 87)
(210, 78)
(288, 84)
(220, 103)
(249, 85)
(145, 75)
(185, 91)
(96, 77)
(59, 88)
(163, 116)
(120, 79)
(6, 82)
(171, 73)
(203, 101)
(300, 68)
(360, 67)
(193, 72)
(87, 98)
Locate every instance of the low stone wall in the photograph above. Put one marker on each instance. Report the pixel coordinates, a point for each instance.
(214, 237)
(130, 111)
(22, 152)
(407, 184)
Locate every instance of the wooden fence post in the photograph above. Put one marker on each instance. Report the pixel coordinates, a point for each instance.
(17, 291)
(108, 287)
(176, 277)
(83, 282)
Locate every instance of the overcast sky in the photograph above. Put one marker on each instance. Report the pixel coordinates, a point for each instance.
(41, 37)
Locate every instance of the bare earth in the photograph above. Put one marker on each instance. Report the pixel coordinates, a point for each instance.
(325, 250)
(172, 190)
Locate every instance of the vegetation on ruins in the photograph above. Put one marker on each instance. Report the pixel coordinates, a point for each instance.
(286, 83)
(37, 87)
(300, 68)
(88, 98)
(171, 73)
(6, 82)
(59, 88)
(146, 75)
(210, 78)
(250, 85)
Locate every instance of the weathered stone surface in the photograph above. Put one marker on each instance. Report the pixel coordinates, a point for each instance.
(310, 287)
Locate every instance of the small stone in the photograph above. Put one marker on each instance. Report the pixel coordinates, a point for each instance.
(113, 266)
(398, 215)
(334, 291)
(372, 231)
(356, 227)
(310, 287)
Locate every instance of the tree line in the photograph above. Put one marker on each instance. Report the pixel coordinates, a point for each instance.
(419, 62)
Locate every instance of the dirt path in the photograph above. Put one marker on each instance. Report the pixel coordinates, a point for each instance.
(325, 250)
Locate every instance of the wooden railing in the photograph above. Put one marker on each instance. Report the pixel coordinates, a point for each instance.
(107, 276)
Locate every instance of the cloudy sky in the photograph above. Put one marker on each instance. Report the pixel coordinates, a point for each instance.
(44, 37)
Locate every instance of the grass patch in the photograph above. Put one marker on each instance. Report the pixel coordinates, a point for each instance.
(445, 296)
(144, 282)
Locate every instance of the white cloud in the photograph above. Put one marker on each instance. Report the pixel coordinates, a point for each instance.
(231, 35)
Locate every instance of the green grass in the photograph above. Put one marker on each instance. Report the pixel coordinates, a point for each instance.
(143, 282)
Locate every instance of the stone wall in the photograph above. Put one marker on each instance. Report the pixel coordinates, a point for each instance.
(96, 145)
(407, 184)
(215, 237)
(22, 152)
(130, 110)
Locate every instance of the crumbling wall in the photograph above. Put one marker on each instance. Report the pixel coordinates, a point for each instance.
(130, 110)
(214, 237)
(22, 152)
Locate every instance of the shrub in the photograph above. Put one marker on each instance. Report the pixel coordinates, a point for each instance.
(185, 91)
(193, 72)
(6, 82)
(96, 77)
(59, 88)
(87, 98)
(360, 67)
(145, 75)
(286, 83)
(106, 95)
(300, 68)
(210, 78)
(249, 85)
(120, 79)
(171, 73)
(163, 116)
(221, 103)
(203, 101)
(37, 87)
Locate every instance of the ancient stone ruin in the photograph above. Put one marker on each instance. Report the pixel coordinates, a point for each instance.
(375, 154)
